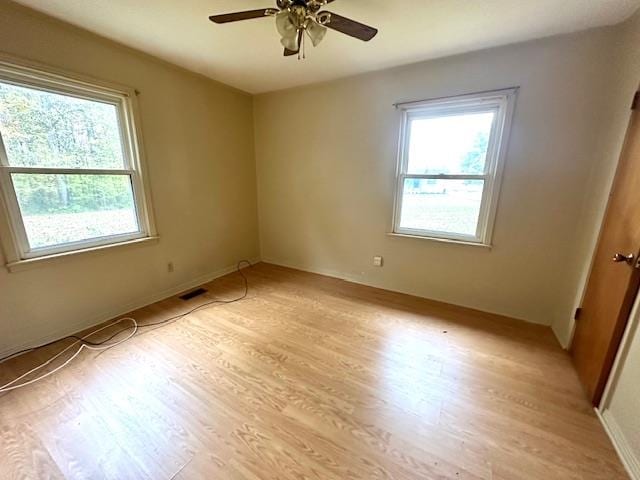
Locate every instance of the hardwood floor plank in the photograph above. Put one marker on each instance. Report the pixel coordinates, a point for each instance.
(309, 377)
(23, 455)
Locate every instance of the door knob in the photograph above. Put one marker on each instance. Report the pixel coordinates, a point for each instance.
(619, 258)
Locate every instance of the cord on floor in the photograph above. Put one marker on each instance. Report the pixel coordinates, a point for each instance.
(107, 343)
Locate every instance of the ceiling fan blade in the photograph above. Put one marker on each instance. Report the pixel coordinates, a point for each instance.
(350, 27)
(237, 16)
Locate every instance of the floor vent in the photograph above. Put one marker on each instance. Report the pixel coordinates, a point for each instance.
(193, 294)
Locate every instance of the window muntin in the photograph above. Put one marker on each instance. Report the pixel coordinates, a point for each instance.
(450, 165)
(69, 164)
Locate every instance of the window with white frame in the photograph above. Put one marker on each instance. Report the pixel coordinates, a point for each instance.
(450, 164)
(70, 166)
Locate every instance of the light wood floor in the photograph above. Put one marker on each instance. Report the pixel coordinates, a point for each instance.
(309, 378)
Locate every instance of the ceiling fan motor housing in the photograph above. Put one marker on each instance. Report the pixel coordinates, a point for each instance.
(298, 15)
(311, 5)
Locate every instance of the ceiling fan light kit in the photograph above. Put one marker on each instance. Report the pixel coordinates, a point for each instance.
(297, 19)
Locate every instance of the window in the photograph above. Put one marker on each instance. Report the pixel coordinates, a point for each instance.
(450, 164)
(69, 164)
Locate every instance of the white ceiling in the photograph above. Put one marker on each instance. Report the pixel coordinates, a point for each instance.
(248, 55)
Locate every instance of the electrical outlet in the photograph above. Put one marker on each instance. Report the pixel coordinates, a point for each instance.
(170, 267)
(377, 261)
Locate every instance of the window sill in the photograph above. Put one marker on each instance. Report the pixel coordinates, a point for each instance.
(22, 265)
(487, 246)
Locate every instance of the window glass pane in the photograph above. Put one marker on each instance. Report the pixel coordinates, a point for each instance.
(451, 206)
(43, 129)
(59, 209)
(455, 144)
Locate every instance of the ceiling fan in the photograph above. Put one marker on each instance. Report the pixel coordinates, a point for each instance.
(294, 18)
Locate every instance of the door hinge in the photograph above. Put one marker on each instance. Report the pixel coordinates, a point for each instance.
(576, 316)
(635, 105)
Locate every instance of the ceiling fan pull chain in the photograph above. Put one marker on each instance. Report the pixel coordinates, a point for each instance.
(301, 53)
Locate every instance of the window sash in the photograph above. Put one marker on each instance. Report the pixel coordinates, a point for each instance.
(27, 75)
(17, 220)
(128, 148)
(502, 103)
(410, 116)
(441, 234)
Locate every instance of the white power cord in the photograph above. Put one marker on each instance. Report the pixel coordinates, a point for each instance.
(8, 387)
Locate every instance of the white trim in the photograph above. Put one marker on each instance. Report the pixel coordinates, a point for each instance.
(502, 102)
(448, 99)
(632, 329)
(627, 456)
(16, 236)
(30, 263)
(124, 309)
(629, 460)
(22, 70)
(77, 247)
(442, 176)
(443, 240)
(66, 171)
(363, 279)
(22, 73)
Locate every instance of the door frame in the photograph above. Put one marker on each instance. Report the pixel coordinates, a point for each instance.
(633, 325)
(619, 441)
(621, 332)
(595, 241)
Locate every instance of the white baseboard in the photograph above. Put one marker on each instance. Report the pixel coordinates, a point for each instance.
(124, 308)
(629, 460)
(363, 280)
(322, 271)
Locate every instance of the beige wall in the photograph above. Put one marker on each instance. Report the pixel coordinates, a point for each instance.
(326, 157)
(623, 81)
(199, 146)
(326, 192)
